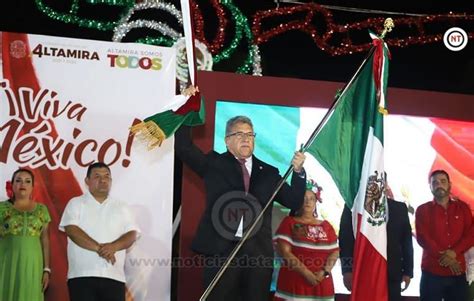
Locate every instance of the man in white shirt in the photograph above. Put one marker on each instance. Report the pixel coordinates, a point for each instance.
(99, 230)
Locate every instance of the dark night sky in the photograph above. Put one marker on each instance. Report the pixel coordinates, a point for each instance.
(426, 67)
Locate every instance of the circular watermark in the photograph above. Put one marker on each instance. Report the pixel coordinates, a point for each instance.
(233, 209)
(18, 49)
(455, 39)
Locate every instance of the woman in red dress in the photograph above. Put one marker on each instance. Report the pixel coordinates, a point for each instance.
(309, 250)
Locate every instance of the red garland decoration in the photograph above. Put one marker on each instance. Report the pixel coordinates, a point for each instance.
(347, 46)
(218, 42)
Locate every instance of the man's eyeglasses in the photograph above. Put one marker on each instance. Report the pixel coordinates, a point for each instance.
(241, 135)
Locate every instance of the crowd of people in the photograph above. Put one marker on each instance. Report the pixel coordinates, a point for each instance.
(308, 245)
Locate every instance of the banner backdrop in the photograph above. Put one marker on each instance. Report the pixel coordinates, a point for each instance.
(65, 103)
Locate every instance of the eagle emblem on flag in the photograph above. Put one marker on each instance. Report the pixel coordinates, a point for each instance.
(375, 199)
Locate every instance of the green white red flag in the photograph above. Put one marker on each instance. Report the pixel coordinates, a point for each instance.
(350, 146)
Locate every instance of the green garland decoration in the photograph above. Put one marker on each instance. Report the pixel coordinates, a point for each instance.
(159, 41)
(241, 26)
(72, 18)
(74, 7)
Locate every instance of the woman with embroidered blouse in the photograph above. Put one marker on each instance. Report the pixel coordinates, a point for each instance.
(309, 250)
(24, 242)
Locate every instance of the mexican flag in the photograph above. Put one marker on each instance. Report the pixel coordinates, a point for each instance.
(181, 110)
(350, 146)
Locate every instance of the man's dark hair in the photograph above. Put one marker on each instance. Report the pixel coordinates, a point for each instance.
(439, 172)
(96, 165)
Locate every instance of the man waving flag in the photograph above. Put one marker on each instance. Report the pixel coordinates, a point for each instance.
(350, 146)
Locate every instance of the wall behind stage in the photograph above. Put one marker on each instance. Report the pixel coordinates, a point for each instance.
(287, 92)
(65, 103)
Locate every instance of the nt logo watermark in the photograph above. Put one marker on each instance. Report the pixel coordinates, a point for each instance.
(455, 39)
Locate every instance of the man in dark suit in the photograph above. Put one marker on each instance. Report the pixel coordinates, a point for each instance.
(238, 185)
(399, 248)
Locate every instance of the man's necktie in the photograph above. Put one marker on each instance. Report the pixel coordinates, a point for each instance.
(245, 174)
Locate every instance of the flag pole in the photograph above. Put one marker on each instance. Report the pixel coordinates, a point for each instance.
(388, 25)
